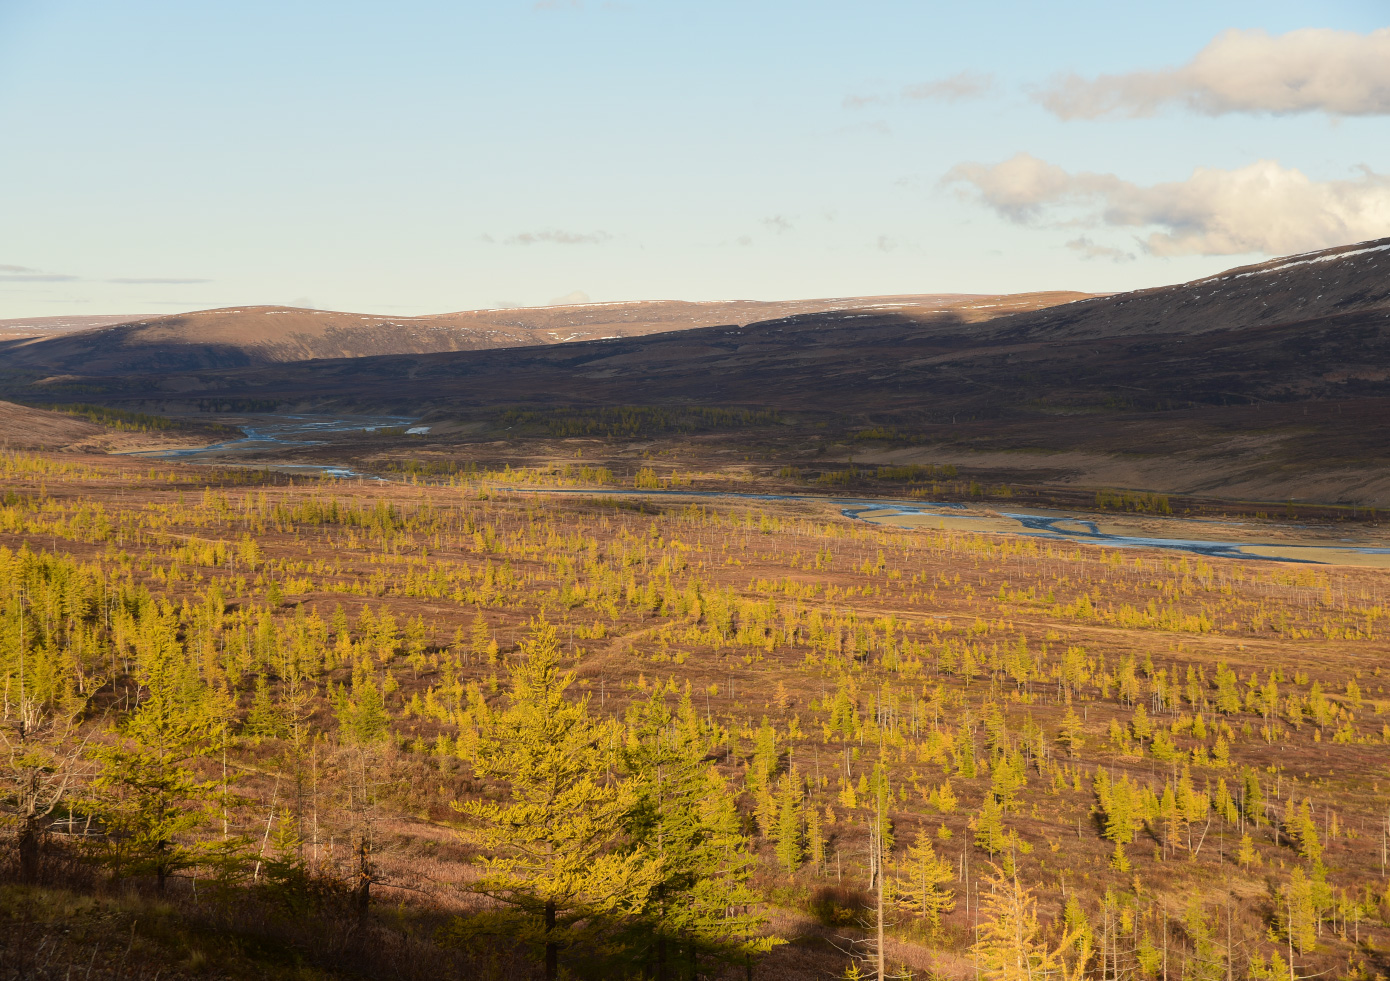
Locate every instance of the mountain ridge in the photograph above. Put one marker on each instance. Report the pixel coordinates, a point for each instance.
(238, 337)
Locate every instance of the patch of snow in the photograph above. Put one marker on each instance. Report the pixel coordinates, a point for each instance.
(1319, 258)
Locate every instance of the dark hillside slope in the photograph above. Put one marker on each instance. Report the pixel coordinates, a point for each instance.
(1290, 330)
(1271, 379)
(1347, 279)
(250, 336)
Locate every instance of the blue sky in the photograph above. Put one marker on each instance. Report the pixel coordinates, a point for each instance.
(419, 157)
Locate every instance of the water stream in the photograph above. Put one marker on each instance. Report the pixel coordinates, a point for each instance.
(1215, 537)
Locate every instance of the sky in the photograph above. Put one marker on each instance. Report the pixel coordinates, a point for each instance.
(419, 157)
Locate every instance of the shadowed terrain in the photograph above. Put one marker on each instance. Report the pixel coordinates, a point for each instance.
(1266, 381)
(248, 336)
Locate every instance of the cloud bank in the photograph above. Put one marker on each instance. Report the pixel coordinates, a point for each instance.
(1311, 70)
(1262, 207)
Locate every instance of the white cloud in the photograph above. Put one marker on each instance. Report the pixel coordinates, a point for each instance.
(1262, 207)
(778, 223)
(1311, 70)
(570, 299)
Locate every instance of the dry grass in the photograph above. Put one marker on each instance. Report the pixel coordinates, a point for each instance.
(620, 566)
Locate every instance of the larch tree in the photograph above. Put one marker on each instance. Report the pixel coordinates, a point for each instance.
(790, 840)
(154, 798)
(556, 853)
(920, 881)
(1208, 961)
(46, 693)
(1010, 947)
(687, 824)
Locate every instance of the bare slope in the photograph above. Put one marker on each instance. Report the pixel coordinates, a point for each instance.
(1300, 288)
(1286, 331)
(246, 336)
(26, 428)
(1270, 381)
(21, 327)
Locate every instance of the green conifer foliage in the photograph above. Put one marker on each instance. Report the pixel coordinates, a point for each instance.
(686, 823)
(919, 886)
(51, 659)
(1206, 962)
(556, 854)
(1297, 911)
(362, 716)
(1011, 947)
(153, 797)
(790, 840)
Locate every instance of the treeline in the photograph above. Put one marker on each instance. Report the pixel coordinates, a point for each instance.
(135, 422)
(854, 475)
(238, 405)
(1139, 501)
(631, 421)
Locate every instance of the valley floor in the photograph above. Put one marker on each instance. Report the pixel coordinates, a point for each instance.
(1185, 758)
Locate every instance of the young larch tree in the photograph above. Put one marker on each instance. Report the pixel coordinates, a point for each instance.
(554, 845)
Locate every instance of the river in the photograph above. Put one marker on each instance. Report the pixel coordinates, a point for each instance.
(1214, 537)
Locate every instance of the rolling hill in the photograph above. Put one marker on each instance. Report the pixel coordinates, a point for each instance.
(247, 336)
(1268, 381)
(1286, 331)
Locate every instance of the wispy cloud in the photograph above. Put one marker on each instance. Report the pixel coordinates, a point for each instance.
(778, 223)
(1340, 73)
(1262, 207)
(1091, 250)
(555, 236)
(863, 101)
(953, 88)
(963, 85)
(32, 276)
(26, 274)
(157, 281)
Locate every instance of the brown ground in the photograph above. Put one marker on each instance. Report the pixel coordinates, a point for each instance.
(25, 428)
(241, 336)
(1266, 383)
(946, 592)
(37, 327)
